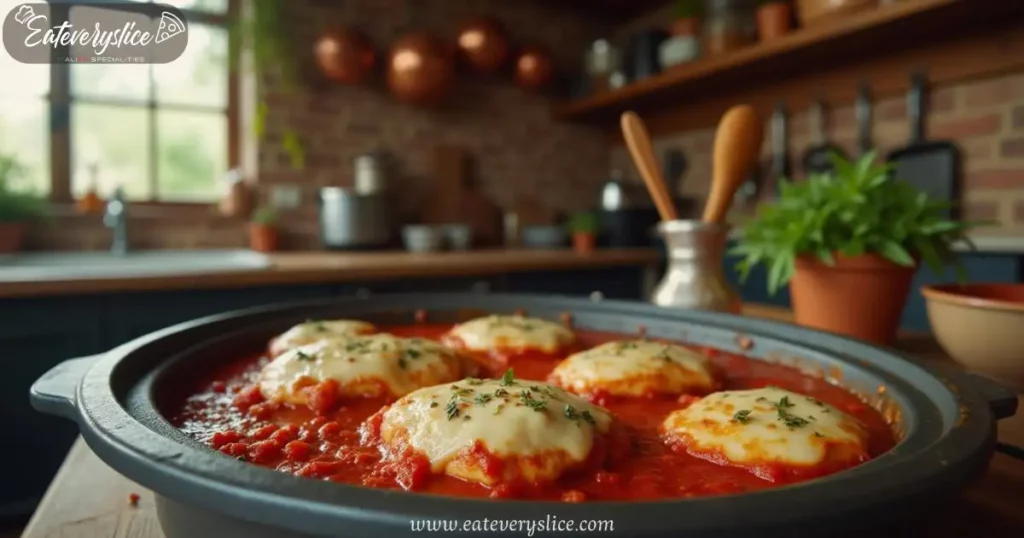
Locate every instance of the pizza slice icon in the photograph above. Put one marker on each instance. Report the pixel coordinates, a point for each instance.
(170, 26)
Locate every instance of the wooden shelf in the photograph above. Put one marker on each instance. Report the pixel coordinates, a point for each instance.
(874, 34)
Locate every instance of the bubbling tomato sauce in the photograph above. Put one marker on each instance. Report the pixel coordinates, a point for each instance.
(227, 413)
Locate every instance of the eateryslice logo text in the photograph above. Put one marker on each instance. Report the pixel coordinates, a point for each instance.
(41, 33)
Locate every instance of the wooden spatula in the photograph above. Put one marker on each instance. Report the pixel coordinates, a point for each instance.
(737, 146)
(639, 143)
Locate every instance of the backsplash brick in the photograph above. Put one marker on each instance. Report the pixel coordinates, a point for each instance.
(986, 118)
(517, 146)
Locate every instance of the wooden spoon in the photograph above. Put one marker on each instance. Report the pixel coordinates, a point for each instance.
(737, 147)
(639, 144)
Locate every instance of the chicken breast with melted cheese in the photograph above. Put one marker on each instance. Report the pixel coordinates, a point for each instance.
(510, 334)
(366, 366)
(776, 434)
(500, 431)
(314, 330)
(635, 368)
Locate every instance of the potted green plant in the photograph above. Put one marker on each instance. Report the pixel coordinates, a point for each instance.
(583, 227)
(774, 19)
(263, 31)
(18, 207)
(684, 44)
(263, 230)
(848, 243)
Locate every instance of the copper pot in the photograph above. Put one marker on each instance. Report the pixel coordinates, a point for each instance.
(534, 68)
(421, 69)
(484, 44)
(345, 56)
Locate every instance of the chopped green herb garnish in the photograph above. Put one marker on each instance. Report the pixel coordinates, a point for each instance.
(464, 392)
(742, 416)
(466, 417)
(452, 409)
(401, 363)
(535, 388)
(412, 353)
(483, 398)
(529, 401)
(434, 404)
(508, 378)
(303, 356)
(792, 421)
(499, 408)
(473, 381)
(571, 413)
(818, 434)
(500, 392)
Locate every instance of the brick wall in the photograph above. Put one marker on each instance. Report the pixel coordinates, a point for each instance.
(517, 146)
(985, 117)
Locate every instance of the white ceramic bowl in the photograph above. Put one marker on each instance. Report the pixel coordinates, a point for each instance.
(421, 238)
(458, 236)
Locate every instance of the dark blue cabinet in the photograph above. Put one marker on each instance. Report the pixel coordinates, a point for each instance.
(36, 334)
(614, 283)
(134, 315)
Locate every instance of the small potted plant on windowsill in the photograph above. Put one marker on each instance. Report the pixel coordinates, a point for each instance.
(18, 207)
(583, 227)
(263, 230)
(848, 244)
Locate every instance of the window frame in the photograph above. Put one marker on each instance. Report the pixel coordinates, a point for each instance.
(60, 100)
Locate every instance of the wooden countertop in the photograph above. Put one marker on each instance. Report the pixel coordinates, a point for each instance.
(88, 499)
(332, 267)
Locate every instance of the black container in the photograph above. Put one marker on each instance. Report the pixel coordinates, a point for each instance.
(641, 56)
(117, 399)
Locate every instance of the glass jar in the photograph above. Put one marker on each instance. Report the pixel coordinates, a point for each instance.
(729, 25)
(601, 62)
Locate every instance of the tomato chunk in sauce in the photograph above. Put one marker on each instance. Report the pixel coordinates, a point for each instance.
(325, 440)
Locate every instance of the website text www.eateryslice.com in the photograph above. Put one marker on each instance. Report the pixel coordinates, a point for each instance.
(526, 526)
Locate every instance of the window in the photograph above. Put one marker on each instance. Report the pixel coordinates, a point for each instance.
(25, 115)
(163, 132)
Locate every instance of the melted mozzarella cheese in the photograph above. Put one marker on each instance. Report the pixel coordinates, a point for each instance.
(536, 430)
(635, 368)
(314, 331)
(364, 366)
(767, 426)
(511, 333)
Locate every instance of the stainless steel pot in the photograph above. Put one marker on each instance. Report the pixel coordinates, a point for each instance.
(349, 220)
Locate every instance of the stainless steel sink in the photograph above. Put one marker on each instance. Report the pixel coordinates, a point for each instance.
(64, 265)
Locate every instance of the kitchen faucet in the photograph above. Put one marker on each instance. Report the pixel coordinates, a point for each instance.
(116, 218)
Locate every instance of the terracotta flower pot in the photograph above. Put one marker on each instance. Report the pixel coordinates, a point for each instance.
(861, 297)
(583, 242)
(262, 238)
(685, 27)
(12, 235)
(774, 20)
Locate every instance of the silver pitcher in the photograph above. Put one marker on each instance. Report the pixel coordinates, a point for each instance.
(694, 278)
